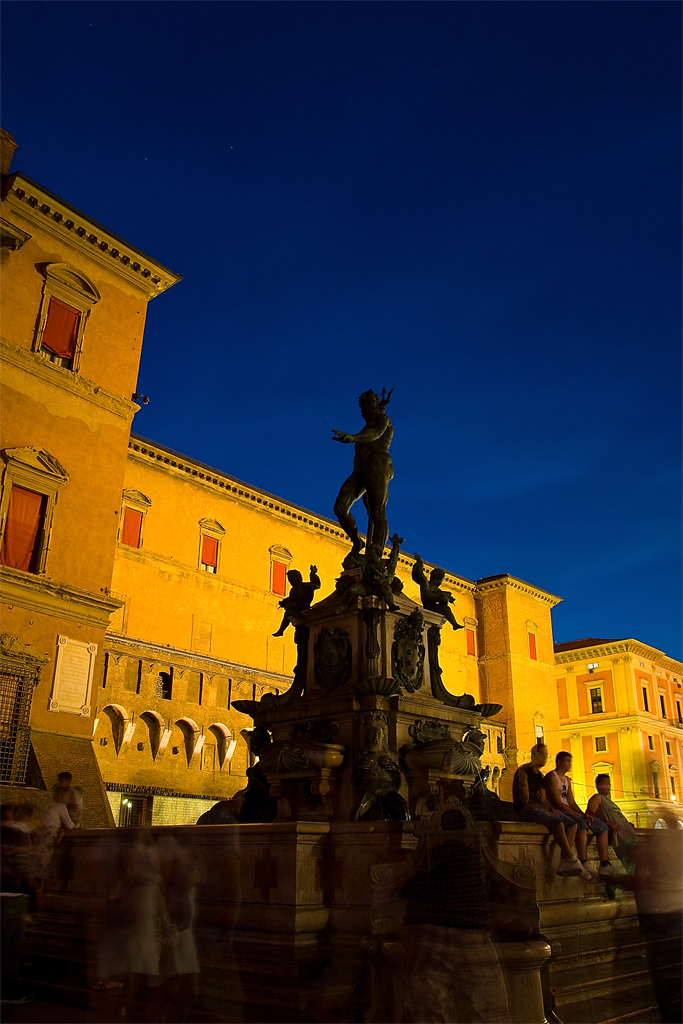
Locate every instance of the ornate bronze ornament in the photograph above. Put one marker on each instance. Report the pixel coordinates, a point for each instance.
(408, 652)
(331, 658)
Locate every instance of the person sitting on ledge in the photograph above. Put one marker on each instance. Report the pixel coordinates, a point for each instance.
(530, 803)
(559, 793)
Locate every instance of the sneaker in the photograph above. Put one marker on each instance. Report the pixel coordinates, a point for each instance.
(569, 866)
(587, 873)
(610, 871)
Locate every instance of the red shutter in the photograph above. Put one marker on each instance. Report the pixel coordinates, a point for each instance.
(61, 329)
(532, 646)
(20, 540)
(132, 526)
(469, 636)
(209, 551)
(279, 579)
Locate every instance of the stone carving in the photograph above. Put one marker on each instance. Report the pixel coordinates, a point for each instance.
(299, 598)
(284, 758)
(254, 804)
(377, 776)
(373, 576)
(433, 598)
(427, 730)
(331, 658)
(408, 652)
(372, 471)
(315, 730)
(464, 757)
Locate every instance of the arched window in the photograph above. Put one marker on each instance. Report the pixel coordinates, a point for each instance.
(225, 745)
(190, 731)
(68, 296)
(155, 727)
(119, 718)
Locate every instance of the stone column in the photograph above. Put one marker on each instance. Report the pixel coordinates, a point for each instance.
(521, 963)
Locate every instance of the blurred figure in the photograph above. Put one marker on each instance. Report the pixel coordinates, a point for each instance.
(622, 834)
(658, 885)
(531, 805)
(178, 962)
(74, 805)
(23, 818)
(135, 924)
(452, 968)
(561, 797)
(55, 819)
(15, 849)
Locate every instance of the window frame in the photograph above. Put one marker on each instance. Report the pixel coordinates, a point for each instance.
(35, 470)
(644, 692)
(71, 286)
(136, 501)
(600, 687)
(215, 531)
(662, 703)
(599, 750)
(285, 557)
(470, 634)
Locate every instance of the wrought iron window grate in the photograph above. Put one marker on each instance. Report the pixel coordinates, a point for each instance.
(15, 734)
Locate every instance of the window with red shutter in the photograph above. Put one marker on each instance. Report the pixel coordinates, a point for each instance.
(209, 560)
(132, 527)
(61, 329)
(279, 578)
(23, 529)
(469, 637)
(532, 646)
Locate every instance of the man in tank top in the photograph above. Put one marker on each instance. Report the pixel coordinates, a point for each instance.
(559, 794)
(531, 805)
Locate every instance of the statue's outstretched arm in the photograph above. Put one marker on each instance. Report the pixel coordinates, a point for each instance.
(369, 433)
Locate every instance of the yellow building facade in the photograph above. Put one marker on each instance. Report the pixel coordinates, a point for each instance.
(74, 300)
(144, 601)
(620, 704)
(200, 571)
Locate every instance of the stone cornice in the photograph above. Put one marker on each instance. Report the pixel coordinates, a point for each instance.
(67, 223)
(507, 582)
(49, 597)
(588, 725)
(635, 648)
(144, 451)
(160, 653)
(59, 377)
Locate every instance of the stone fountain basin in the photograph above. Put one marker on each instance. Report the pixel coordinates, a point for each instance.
(324, 755)
(428, 755)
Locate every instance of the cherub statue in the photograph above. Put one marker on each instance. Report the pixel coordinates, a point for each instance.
(434, 599)
(378, 577)
(299, 598)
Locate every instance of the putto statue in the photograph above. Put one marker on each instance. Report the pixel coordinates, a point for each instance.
(299, 598)
(372, 471)
(434, 599)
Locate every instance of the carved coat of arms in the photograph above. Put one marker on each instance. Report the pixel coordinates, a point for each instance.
(331, 658)
(408, 652)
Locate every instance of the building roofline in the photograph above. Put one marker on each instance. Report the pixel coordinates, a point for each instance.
(143, 448)
(602, 648)
(504, 579)
(63, 220)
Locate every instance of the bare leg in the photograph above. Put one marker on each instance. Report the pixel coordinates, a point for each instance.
(283, 625)
(351, 491)
(560, 837)
(581, 843)
(450, 617)
(602, 843)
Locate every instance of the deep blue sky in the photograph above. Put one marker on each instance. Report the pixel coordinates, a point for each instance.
(476, 203)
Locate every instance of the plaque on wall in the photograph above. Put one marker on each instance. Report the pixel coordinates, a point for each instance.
(74, 671)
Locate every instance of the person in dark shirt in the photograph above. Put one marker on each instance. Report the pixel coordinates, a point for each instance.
(531, 805)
